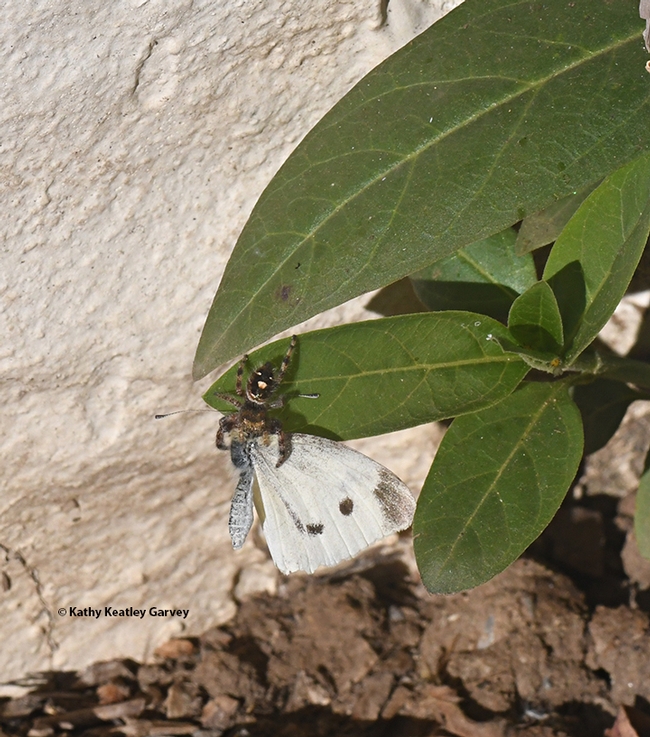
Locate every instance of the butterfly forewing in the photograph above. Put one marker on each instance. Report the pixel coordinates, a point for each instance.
(326, 502)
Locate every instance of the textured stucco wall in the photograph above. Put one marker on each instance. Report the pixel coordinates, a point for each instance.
(135, 137)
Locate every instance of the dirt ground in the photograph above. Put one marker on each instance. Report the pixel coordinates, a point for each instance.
(556, 645)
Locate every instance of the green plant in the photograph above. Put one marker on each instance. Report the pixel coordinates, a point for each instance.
(498, 113)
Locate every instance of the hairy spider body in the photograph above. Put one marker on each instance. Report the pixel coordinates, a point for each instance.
(252, 420)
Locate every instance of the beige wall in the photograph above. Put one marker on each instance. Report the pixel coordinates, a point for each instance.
(135, 137)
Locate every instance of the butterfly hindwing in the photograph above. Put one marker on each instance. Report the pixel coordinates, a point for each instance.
(325, 503)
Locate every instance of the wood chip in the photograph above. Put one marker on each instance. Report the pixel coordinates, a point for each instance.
(175, 649)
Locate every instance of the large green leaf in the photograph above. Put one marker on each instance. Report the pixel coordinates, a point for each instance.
(483, 277)
(593, 260)
(383, 375)
(497, 480)
(494, 112)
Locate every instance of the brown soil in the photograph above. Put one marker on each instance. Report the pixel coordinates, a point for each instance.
(557, 644)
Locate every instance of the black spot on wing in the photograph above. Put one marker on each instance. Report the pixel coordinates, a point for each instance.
(346, 506)
(312, 528)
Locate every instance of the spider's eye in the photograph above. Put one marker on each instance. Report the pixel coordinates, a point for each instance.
(261, 383)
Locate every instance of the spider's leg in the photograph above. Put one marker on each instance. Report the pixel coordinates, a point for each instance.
(240, 372)
(274, 427)
(226, 424)
(286, 359)
(229, 399)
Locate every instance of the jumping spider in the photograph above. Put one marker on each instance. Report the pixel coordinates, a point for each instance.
(252, 420)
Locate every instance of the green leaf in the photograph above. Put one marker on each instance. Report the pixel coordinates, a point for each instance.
(593, 260)
(494, 112)
(382, 375)
(483, 277)
(545, 226)
(535, 321)
(497, 480)
(603, 404)
(642, 515)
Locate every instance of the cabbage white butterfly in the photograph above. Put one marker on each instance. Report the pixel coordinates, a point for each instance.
(319, 501)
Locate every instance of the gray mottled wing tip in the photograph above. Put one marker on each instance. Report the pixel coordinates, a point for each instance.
(395, 500)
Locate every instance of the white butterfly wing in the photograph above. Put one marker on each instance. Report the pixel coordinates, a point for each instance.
(326, 502)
